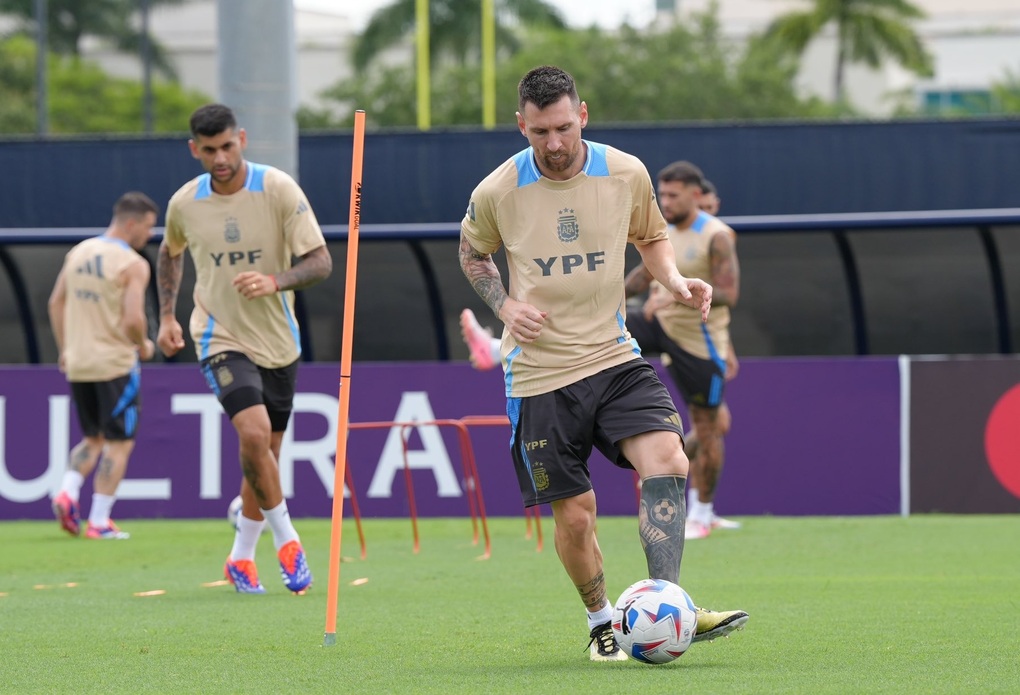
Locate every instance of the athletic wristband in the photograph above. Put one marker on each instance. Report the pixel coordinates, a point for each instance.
(275, 283)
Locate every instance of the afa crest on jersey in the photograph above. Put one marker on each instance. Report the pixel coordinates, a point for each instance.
(566, 227)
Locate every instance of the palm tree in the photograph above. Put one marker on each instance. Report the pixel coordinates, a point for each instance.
(455, 27)
(69, 21)
(867, 31)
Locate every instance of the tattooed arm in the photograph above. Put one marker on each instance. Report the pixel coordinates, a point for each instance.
(522, 320)
(722, 254)
(169, 271)
(315, 266)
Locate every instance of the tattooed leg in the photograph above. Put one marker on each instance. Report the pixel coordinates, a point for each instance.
(577, 548)
(661, 525)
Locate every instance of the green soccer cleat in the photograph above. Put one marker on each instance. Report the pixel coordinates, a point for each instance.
(712, 624)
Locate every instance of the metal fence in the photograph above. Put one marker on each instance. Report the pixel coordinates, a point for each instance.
(932, 282)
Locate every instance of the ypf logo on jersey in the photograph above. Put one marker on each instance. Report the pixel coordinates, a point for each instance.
(566, 225)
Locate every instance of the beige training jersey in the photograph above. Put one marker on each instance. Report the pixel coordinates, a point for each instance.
(683, 325)
(95, 347)
(260, 228)
(565, 243)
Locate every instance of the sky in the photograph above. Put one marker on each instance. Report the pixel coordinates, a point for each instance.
(578, 13)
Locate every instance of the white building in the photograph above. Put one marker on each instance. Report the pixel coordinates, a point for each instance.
(974, 43)
(189, 33)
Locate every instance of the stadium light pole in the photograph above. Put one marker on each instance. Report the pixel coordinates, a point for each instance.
(421, 22)
(41, 54)
(488, 64)
(343, 407)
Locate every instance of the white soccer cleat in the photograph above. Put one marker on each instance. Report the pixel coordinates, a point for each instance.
(726, 524)
(603, 646)
(694, 529)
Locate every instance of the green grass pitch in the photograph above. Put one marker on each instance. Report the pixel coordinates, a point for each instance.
(927, 604)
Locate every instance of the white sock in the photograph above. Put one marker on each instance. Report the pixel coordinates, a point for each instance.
(246, 538)
(278, 519)
(71, 484)
(696, 512)
(708, 509)
(494, 346)
(102, 505)
(692, 500)
(602, 616)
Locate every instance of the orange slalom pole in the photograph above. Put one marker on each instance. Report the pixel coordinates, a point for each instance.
(343, 416)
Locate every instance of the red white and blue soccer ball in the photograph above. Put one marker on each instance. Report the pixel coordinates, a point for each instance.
(654, 621)
(234, 511)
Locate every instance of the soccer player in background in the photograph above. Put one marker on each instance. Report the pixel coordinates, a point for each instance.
(97, 313)
(243, 223)
(564, 209)
(696, 351)
(701, 491)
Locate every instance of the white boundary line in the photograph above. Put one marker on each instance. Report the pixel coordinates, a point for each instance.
(904, 365)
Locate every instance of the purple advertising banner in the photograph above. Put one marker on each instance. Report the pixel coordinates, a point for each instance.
(810, 436)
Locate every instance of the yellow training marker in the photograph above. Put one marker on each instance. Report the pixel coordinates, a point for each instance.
(221, 582)
(359, 582)
(154, 592)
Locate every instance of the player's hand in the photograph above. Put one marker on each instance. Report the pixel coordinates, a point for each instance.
(170, 337)
(656, 300)
(692, 292)
(147, 350)
(253, 284)
(524, 321)
(732, 364)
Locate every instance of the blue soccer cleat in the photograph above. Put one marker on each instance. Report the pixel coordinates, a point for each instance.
(294, 567)
(243, 575)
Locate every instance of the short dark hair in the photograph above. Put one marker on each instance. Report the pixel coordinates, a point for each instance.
(212, 119)
(707, 186)
(546, 85)
(134, 204)
(684, 172)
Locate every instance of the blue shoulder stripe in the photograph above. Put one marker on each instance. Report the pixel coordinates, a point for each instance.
(117, 242)
(204, 189)
(700, 221)
(527, 170)
(596, 164)
(256, 176)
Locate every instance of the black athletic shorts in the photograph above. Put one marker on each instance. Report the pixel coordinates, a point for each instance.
(109, 408)
(701, 382)
(239, 383)
(553, 433)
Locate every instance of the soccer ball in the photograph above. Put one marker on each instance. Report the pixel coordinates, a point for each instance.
(234, 511)
(654, 621)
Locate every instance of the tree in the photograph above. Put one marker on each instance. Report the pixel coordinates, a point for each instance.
(684, 73)
(84, 98)
(69, 21)
(867, 31)
(1006, 92)
(455, 27)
